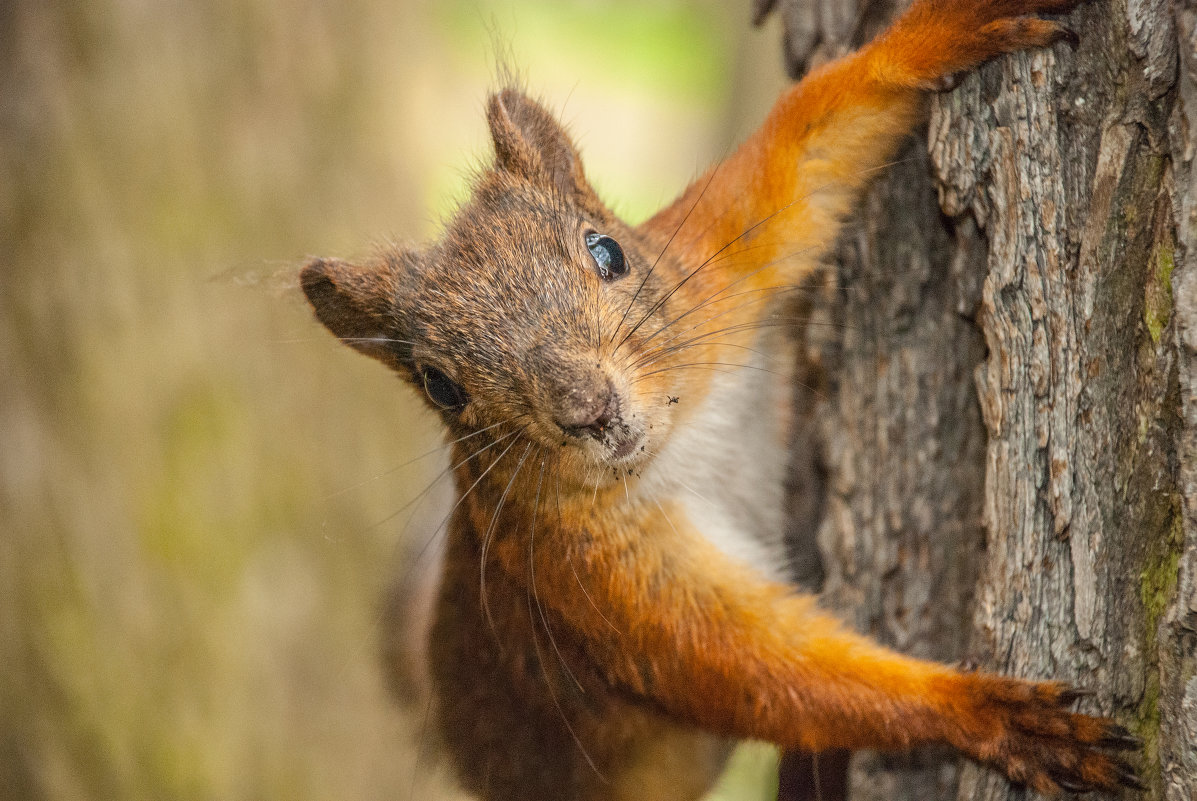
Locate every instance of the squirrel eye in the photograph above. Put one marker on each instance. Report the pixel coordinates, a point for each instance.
(442, 390)
(608, 255)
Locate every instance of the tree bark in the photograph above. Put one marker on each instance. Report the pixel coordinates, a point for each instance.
(1006, 433)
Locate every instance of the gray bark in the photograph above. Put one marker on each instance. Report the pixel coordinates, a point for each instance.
(1008, 425)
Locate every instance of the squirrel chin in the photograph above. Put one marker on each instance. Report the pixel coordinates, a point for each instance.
(627, 448)
(620, 450)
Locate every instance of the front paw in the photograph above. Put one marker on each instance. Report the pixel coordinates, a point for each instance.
(1026, 730)
(939, 38)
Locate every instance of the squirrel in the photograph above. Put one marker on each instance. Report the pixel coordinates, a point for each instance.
(611, 612)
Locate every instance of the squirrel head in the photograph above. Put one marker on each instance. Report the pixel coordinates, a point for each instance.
(522, 320)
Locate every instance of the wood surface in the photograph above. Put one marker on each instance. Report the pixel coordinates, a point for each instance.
(997, 455)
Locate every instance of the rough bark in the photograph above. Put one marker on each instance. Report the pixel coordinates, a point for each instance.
(1009, 425)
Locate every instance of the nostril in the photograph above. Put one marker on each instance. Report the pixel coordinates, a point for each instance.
(602, 420)
(591, 413)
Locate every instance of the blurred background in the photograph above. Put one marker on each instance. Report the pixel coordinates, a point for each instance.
(202, 496)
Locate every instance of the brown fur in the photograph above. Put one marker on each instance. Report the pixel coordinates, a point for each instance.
(589, 641)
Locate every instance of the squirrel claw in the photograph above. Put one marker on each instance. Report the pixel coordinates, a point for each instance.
(1069, 36)
(1073, 694)
(1069, 785)
(1120, 739)
(1129, 778)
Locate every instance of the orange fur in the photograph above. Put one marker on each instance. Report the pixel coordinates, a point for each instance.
(590, 641)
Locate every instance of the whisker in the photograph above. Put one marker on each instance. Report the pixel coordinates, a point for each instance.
(692, 491)
(663, 346)
(597, 480)
(666, 515)
(415, 776)
(557, 703)
(714, 297)
(738, 237)
(447, 517)
(707, 366)
(486, 542)
(532, 582)
(569, 557)
(660, 255)
(435, 481)
(703, 342)
(415, 459)
(773, 321)
(348, 340)
(703, 265)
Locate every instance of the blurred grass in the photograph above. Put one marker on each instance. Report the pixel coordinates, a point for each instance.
(197, 486)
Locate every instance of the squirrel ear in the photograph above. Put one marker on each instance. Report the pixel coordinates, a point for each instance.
(530, 143)
(357, 304)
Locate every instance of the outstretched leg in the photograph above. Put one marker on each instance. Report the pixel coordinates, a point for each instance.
(669, 620)
(787, 188)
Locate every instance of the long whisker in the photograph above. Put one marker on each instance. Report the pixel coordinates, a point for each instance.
(415, 459)
(714, 298)
(442, 525)
(598, 475)
(660, 255)
(652, 309)
(705, 342)
(436, 480)
(460, 500)
(533, 595)
(486, 542)
(773, 321)
(666, 516)
(532, 582)
(703, 336)
(348, 340)
(661, 301)
(707, 366)
(664, 345)
(415, 776)
(570, 558)
(557, 703)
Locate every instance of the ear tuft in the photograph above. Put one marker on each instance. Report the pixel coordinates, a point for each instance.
(355, 303)
(532, 144)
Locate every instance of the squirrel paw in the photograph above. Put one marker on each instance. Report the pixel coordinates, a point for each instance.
(1024, 33)
(966, 34)
(1026, 730)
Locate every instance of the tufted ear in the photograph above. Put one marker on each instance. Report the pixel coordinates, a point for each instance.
(531, 144)
(357, 304)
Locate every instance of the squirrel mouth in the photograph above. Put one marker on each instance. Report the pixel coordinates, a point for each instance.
(623, 442)
(618, 440)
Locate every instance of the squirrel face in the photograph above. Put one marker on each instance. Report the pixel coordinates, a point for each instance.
(525, 315)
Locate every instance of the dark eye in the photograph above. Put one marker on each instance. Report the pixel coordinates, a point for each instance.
(608, 255)
(442, 390)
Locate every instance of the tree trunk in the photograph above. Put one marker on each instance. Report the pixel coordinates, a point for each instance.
(1005, 436)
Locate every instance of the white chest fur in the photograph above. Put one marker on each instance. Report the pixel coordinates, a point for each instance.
(726, 464)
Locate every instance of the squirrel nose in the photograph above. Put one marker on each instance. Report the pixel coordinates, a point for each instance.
(590, 412)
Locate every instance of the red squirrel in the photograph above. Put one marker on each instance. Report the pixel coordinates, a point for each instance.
(611, 613)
